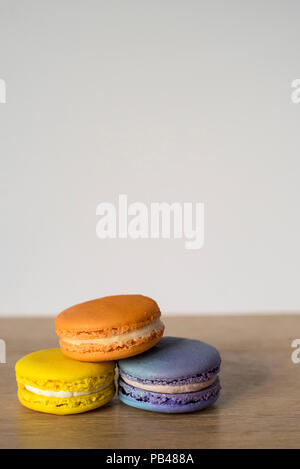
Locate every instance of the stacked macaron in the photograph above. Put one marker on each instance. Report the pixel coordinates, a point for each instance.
(52, 383)
(159, 374)
(109, 328)
(177, 375)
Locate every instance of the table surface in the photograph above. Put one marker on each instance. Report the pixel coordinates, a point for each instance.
(259, 406)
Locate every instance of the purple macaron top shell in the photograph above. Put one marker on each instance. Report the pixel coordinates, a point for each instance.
(173, 360)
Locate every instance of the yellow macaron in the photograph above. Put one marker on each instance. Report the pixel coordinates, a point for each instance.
(50, 382)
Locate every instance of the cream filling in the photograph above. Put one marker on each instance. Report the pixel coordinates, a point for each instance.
(120, 339)
(171, 389)
(63, 394)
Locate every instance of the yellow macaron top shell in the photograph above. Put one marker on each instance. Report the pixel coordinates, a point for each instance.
(51, 370)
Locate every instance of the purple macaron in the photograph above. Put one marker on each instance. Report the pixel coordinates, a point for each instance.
(177, 375)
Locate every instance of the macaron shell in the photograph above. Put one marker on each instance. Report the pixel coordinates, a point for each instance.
(52, 365)
(172, 359)
(67, 406)
(168, 403)
(117, 313)
(133, 350)
(193, 407)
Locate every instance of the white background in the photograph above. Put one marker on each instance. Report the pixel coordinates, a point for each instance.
(162, 101)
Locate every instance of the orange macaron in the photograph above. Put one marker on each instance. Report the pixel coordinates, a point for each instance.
(109, 328)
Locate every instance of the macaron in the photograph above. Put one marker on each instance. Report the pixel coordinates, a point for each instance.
(52, 383)
(177, 375)
(109, 328)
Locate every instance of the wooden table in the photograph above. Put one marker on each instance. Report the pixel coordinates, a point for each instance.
(259, 405)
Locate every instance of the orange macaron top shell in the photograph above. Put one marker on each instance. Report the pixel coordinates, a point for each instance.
(110, 315)
(109, 328)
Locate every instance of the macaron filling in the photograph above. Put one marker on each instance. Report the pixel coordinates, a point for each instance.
(64, 394)
(118, 340)
(171, 389)
(165, 399)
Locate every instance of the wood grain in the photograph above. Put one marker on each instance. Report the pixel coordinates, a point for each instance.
(259, 405)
